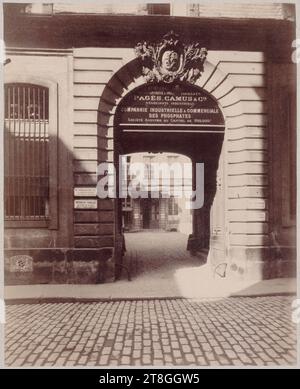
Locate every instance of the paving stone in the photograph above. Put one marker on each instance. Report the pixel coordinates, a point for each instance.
(146, 359)
(201, 361)
(136, 353)
(125, 360)
(177, 353)
(190, 358)
(103, 360)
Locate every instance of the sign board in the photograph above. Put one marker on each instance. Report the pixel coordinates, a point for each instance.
(172, 105)
(85, 204)
(85, 192)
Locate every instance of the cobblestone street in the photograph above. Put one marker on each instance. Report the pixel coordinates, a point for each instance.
(162, 332)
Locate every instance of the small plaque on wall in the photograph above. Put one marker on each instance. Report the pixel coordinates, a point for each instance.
(85, 191)
(85, 204)
(21, 264)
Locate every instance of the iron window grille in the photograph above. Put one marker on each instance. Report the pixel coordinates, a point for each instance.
(26, 163)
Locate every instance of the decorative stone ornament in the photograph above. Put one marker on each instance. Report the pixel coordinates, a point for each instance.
(171, 60)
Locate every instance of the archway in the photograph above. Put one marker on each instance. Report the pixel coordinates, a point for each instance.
(220, 88)
(179, 118)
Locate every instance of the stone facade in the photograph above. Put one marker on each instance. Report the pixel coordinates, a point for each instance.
(91, 67)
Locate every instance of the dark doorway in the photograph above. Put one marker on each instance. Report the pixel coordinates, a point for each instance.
(146, 212)
(150, 213)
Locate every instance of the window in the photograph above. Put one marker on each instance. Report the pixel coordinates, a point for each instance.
(27, 163)
(173, 206)
(172, 159)
(159, 9)
(148, 171)
(127, 204)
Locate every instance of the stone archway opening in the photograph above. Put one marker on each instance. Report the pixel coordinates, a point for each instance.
(233, 240)
(181, 119)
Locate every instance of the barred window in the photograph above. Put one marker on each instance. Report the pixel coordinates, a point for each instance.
(26, 152)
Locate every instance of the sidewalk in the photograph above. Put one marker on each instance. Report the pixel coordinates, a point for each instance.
(165, 270)
(137, 289)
